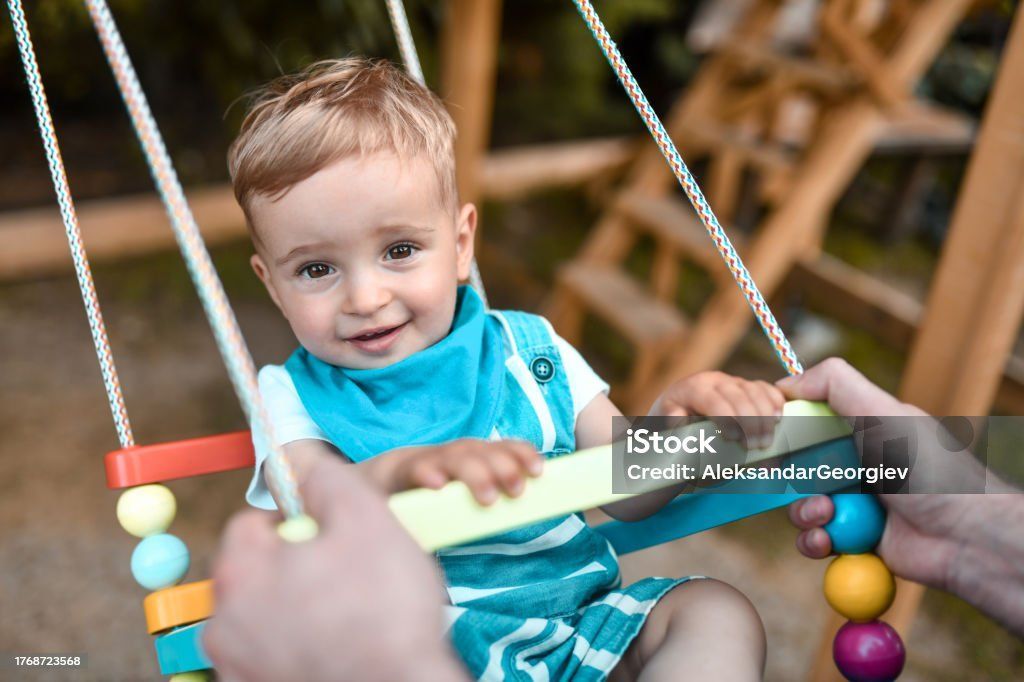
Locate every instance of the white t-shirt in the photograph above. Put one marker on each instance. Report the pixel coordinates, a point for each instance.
(290, 422)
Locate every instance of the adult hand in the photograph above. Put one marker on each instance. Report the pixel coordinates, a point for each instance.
(965, 544)
(360, 601)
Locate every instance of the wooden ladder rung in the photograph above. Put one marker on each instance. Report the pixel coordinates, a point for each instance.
(619, 300)
(808, 71)
(924, 126)
(672, 220)
(706, 134)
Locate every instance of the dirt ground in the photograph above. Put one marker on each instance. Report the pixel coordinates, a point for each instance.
(65, 586)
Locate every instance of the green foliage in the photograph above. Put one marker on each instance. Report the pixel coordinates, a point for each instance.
(554, 83)
(197, 60)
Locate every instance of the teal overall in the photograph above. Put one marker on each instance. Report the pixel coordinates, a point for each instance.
(542, 602)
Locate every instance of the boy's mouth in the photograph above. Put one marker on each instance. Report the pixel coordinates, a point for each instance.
(376, 340)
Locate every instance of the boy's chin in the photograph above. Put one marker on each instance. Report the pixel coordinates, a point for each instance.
(366, 360)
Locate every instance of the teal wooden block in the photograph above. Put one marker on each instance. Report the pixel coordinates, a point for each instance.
(181, 650)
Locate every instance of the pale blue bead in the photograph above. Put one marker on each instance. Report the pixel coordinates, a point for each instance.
(857, 525)
(160, 561)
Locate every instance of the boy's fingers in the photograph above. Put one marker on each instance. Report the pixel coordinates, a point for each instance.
(712, 404)
(528, 457)
(746, 415)
(507, 471)
(765, 409)
(762, 401)
(814, 543)
(427, 474)
(770, 396)
(811, 512)
(742, 405)
(477, 476)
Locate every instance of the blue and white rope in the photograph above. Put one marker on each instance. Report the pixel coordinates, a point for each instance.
(228, 335)
(668, 149)
(67, 213)
(403, 36)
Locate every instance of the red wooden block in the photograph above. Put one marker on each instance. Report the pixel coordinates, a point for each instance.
(181, 459)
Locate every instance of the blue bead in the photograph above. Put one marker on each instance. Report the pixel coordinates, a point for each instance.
(857, 525)
(160, 561)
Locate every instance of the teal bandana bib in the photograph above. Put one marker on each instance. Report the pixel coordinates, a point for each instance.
(447, 391)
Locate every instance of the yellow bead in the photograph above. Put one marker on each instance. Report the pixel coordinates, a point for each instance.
(298, 529)
(859, 586)
(194, 676)
(146, 510)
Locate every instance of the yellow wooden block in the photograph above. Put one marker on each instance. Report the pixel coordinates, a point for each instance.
(178, 605)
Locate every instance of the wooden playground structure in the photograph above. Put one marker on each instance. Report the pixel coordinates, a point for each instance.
(783, 132)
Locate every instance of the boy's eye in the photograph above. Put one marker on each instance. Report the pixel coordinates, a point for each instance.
(316, 270)
(400, 251)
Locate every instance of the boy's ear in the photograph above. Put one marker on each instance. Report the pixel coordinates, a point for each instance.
(465, 233)
(261, 270)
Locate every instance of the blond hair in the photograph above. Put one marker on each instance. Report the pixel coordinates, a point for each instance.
(299, 124)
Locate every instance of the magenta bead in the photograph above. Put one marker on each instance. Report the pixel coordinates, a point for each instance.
(869, 652)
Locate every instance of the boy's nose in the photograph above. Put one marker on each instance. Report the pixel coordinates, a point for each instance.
(366, 296)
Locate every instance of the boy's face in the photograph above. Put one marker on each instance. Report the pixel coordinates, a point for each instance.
(364, 260)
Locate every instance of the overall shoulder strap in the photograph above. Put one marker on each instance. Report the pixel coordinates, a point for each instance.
(535, 368)
(524, 331)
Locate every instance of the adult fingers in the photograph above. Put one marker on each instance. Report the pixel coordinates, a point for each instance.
(814, 543)
(811, 512)
(334, 494)
(845, 389)
(248, 539)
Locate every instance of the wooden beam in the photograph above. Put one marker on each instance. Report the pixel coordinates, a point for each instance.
(925, 126)
(33, 242)
(469, 55)
(518, 171)
(974, 307)
(842, 291)
(823, 175)
(977, 296)
(825, 78)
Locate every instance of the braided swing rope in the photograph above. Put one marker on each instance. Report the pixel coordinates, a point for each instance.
(668, 149)
(70, 218)
(228, 335)
(403, 36)
(406, 45)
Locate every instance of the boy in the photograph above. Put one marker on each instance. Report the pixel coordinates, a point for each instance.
(346, 176)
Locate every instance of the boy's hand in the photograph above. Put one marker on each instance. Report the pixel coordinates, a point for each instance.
(758, 404)
(486, 467)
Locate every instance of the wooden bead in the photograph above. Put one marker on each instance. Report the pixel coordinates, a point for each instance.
(859, 586)
(146, 510)
(160, 561)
